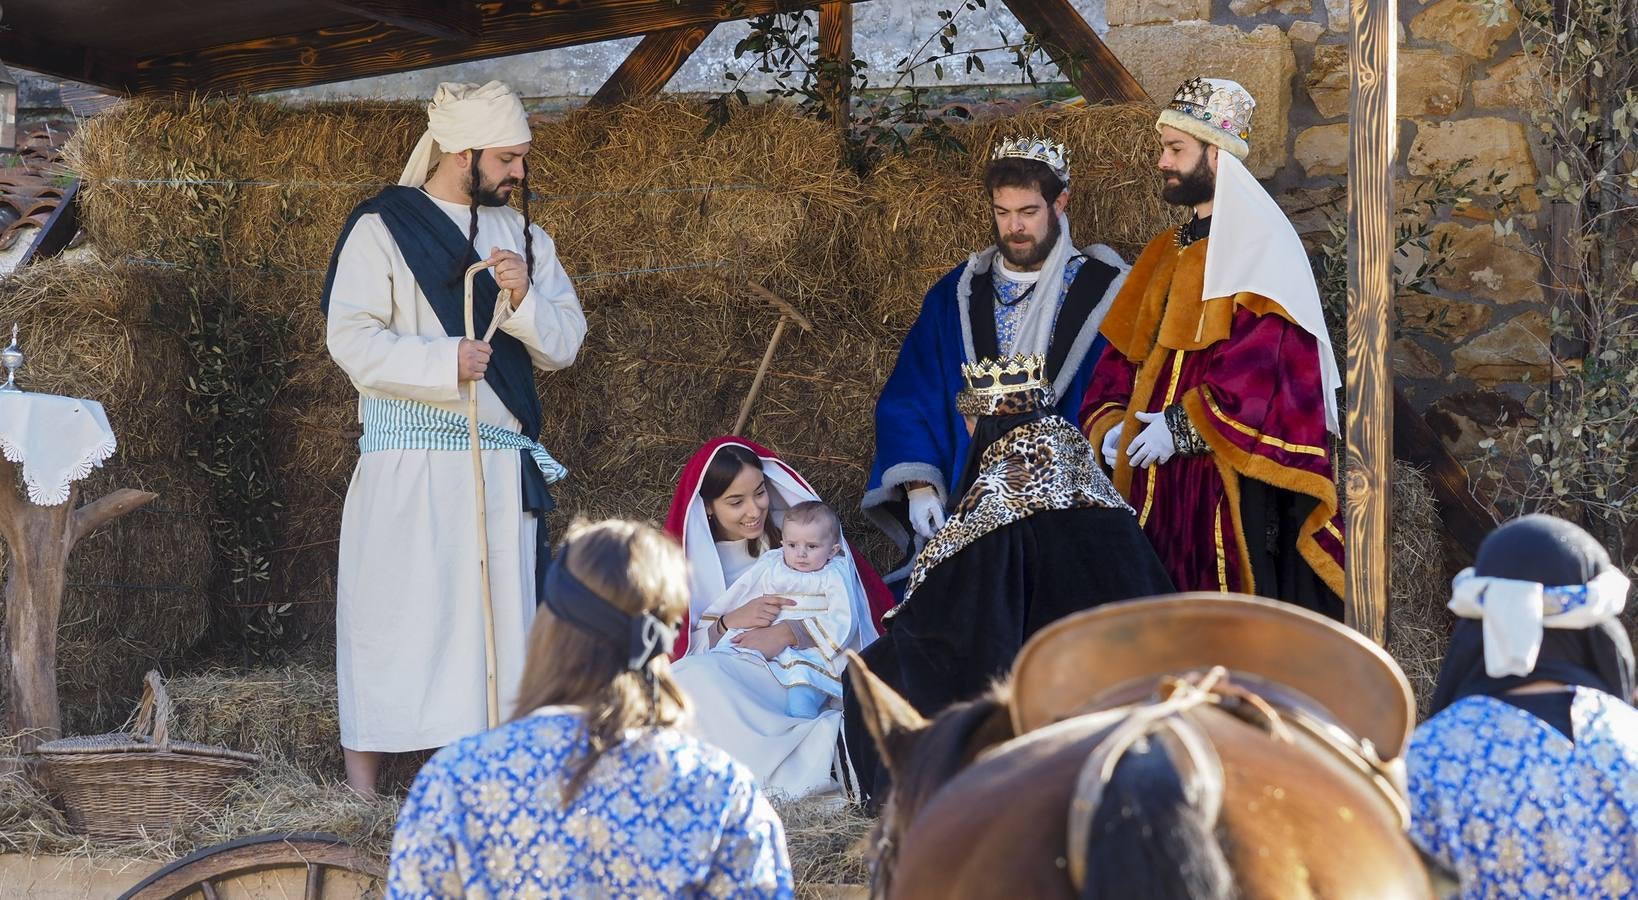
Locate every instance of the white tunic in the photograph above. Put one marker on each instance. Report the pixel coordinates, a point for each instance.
(409, 616)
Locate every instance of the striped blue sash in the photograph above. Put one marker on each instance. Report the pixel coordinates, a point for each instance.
(408, 425)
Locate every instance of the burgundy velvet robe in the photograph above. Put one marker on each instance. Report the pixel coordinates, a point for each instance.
(1249, 379)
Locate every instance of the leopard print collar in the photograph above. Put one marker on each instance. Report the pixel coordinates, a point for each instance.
(1043, 465)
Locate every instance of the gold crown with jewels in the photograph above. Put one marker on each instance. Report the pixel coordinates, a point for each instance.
(1040, 149)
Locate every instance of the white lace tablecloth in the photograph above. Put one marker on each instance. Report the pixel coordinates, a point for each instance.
(55, 440)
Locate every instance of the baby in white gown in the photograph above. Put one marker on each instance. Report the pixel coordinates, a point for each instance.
(807, 568)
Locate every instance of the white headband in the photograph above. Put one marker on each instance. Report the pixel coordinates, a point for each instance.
(1515, 612)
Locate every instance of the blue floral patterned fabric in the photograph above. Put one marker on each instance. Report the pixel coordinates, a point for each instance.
(1008, 317)
(1517, 810)
(662, 815)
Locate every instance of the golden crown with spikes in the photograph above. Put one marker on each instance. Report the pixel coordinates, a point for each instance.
(1016, 384)
(1040, 149)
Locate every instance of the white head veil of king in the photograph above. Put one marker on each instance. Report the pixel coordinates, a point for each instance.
(467, 117)
(785, 490)
(1253, 247)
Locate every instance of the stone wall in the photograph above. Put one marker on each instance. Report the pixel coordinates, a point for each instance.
(1473, 352)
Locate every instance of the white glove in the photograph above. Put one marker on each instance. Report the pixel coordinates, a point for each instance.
(1111, 444)
(1154, 444)
(926, 512)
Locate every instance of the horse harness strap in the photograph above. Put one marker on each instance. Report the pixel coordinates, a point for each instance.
(1199, 768)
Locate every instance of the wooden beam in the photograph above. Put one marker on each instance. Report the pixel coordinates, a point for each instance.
(75, 63)
(651, 64)
(366, 49)
(1463, 516)
(1372, 141)
(455, 20)
(1077, 50)
(836, 59)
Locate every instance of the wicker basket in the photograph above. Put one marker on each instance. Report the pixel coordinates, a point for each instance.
(127, 785)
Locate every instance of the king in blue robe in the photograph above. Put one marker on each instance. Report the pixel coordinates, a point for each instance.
(975, 313)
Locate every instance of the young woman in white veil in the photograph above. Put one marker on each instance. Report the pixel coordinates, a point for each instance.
(727, 510)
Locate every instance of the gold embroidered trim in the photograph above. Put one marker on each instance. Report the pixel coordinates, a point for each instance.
(1256, 435)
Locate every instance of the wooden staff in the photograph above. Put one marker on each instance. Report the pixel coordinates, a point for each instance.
(503, 308)
(787, 313)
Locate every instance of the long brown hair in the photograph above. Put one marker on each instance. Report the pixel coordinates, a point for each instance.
(636, 569)
(725, 466)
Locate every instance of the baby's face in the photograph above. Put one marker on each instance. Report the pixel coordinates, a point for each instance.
(808, 546)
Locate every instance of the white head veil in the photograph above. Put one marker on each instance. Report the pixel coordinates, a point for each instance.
(706, 579)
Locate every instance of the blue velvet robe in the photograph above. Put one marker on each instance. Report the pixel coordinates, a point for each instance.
(919, 434)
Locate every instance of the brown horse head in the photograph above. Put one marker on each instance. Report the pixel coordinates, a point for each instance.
(1117, 780)
(920, 755)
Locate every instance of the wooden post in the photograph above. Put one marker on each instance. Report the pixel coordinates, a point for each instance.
(1372, 141)
(651, 64)
(40, 539)
(1077, 50)
(836, 59)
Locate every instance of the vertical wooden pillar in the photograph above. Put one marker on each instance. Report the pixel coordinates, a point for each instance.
(836, 58)
(1373, 139)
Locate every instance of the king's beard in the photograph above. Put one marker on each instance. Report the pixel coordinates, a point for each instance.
(1196, 186)
(1027, 256)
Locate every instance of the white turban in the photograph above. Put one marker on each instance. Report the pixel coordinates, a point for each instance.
(467, 117)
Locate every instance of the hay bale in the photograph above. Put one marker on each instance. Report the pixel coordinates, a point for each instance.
(286, 714)
(1418, 582)
(138, 590)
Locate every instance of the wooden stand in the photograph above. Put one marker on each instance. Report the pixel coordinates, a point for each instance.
(39, 539)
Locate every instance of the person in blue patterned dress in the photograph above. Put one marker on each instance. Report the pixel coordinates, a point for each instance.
(591, 791)
(1525, 781)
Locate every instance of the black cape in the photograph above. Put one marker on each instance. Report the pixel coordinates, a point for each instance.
(975, 610)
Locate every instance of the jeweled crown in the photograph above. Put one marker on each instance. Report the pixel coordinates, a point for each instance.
(1219, 103)
(1005, 376)
(1040, 149)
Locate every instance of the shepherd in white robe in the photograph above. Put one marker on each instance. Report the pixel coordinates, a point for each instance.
(410, 669)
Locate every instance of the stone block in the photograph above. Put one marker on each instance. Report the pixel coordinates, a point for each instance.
(1411, 360)
(1323, 149)
(1499, 146)
(1441, 317)
(1156, 12)
(1312, 210)
(1337, 16)
(1460, 24)
(1516, 350)
(1328, 80)
(1464, 419)
(1480, 262)
(1161, 57)
(1247, 9)
(1430, 82)
(1516, 83)
(1305, 33)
